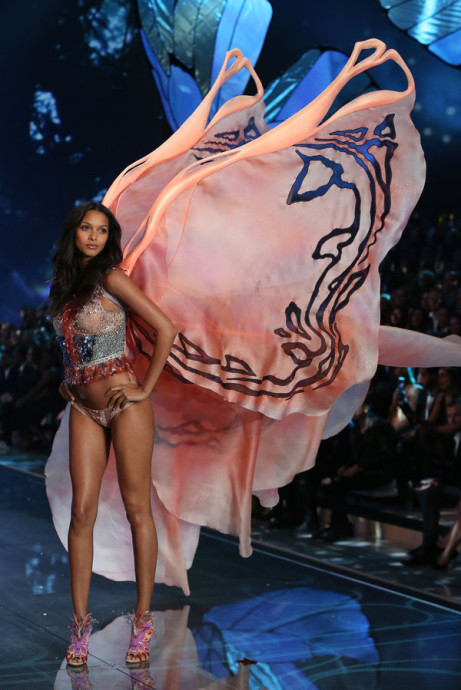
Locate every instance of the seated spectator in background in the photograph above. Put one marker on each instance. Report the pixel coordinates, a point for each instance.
(330, 457)
(398, 317)
(368, 465)
(450, 290)
(418, 320)
(405, 399)
(40, 317)
(403, 416)
(443, 323)
(29, 373)
(380, 392)
(428, 379)
(443, 481)
(399, 298)
(455, 324)
(27, 315)
(10, 392)
(448, 392)
(426, 281)
(40, 401)
(432, 433)
(423, 285)
(437, 432)
(16, 338)
(42, 326)
(431, 302)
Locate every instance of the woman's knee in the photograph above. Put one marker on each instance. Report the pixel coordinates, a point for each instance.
(83, 516)
(138, 516)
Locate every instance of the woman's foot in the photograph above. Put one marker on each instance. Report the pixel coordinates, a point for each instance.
(141, 632)
(77, 651)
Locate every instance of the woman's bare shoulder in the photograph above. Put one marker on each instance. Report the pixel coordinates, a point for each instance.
(116, 279)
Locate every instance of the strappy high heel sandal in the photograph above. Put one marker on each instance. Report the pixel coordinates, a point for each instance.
(141, 632)
(77, 651)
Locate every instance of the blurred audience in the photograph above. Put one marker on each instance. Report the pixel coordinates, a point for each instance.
(30, 374)
(367, 465)
(441, 483)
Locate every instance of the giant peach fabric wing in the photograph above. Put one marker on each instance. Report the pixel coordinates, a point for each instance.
(263, 247)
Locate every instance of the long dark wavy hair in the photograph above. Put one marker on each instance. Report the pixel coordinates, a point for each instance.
(72, 280)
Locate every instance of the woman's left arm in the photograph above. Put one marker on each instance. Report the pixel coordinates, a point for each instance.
(126, 291)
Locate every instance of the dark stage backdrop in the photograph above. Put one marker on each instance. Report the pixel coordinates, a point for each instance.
(79, 104)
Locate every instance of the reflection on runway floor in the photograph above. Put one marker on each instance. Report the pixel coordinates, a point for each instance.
(303, 626)
(285, 628)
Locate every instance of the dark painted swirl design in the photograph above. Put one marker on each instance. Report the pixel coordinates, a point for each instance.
(341, 275)
(226, 141)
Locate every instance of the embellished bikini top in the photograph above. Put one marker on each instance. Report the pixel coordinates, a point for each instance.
(92, 339)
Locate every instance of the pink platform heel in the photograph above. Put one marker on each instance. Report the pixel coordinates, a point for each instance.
(141, 632)
(77, 651)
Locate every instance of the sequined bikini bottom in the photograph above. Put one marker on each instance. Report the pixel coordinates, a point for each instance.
(102, 417)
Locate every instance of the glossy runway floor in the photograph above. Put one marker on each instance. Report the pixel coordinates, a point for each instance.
(306, 627)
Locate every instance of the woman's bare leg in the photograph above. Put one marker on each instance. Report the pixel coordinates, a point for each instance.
(452, 539)
(89, 449)
(133, 440)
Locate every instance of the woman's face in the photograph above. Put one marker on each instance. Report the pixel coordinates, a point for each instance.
(91, 235)
(396, 316)
(455, 325)
(445, 379)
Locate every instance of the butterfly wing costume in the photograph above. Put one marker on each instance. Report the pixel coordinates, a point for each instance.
(263, 247)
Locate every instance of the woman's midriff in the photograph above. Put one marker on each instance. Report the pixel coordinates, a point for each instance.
(93, 395)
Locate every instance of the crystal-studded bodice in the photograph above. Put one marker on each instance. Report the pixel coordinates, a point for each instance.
(92, 340)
